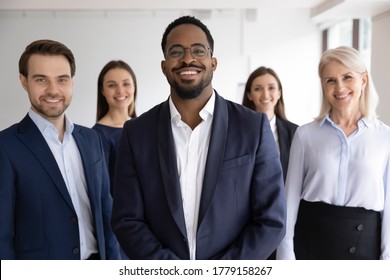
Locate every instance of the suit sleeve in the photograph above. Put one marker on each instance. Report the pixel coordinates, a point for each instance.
(267, 226)
(128, 216)
(385, 234)
(111, 244)
(294, 183)
(7, 208)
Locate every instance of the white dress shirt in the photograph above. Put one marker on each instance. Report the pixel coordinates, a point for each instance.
(272, 123)
(329, 167)
(191, 148)
(70, 164)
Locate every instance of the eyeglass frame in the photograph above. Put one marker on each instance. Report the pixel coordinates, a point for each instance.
(190, 48)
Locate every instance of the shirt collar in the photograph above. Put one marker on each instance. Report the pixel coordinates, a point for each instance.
(363, 122)
(43, 124)
(206, 111)
(273, 121)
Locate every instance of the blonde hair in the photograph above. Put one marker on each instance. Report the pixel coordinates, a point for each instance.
(351, 59)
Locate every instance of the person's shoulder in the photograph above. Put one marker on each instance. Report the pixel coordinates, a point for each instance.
(378, 123)
(379, 126)
(82, 127)
(9, 137)
(7, 132)
(89, 132)
(239, 109)
(147, 117)
(10, 131)
(287, 123)
(96, 126)
(106, 129)
(309, 127)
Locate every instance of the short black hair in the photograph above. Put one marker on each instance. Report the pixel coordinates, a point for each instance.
(187, 20)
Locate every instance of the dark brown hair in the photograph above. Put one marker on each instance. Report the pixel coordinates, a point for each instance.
(45, 47)
(279, 107)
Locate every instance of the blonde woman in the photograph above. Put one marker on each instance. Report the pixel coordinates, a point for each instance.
(338, 196)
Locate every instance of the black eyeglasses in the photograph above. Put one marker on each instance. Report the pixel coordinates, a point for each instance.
(177, 52)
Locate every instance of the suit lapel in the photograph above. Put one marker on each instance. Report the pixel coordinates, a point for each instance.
(85, 151)
(215, 155)
(214, 161)
(283, 137)
(168, 166)
(30, 135)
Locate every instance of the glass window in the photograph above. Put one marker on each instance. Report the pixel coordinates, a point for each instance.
(353, 33)
(365, 40)
(340, 34)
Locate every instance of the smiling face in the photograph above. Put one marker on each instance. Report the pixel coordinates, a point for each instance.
(118, 88)
(49, 85)
(342, 87)
(188, 77)
(264, 93)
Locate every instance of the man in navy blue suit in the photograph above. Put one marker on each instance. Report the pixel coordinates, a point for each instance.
(197, 176)
(55, 198)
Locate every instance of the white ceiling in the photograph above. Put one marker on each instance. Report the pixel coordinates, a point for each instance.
(153, 4)
(321, 10)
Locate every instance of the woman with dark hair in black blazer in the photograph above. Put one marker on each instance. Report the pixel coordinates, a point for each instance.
(264, 93)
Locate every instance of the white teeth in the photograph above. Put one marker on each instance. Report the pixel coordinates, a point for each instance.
(341, 96)
(188, 73)
(120, 98)
(52, 100)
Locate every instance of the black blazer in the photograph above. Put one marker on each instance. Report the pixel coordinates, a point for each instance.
(242, 209)
(285, 130)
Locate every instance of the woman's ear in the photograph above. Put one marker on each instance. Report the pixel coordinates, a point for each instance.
(364, 80)
(249, 95)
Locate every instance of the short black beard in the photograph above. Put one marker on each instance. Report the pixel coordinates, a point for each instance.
(194, 92)
(191, 93)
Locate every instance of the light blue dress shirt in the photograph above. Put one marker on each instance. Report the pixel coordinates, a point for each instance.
(327, 166)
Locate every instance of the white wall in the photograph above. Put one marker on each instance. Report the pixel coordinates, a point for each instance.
(293, 50)
(285, 40)
(380, 63)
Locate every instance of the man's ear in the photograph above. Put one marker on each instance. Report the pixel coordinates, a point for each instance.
(163, 67)
(23, 81)
(214, 63)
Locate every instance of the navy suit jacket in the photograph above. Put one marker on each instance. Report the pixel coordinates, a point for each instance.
(242, 209)
(286, 131)
(37, 217)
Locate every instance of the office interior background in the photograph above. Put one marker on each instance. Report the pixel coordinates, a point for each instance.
(288, 36)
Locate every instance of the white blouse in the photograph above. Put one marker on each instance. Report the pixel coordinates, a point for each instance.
(327, 166)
